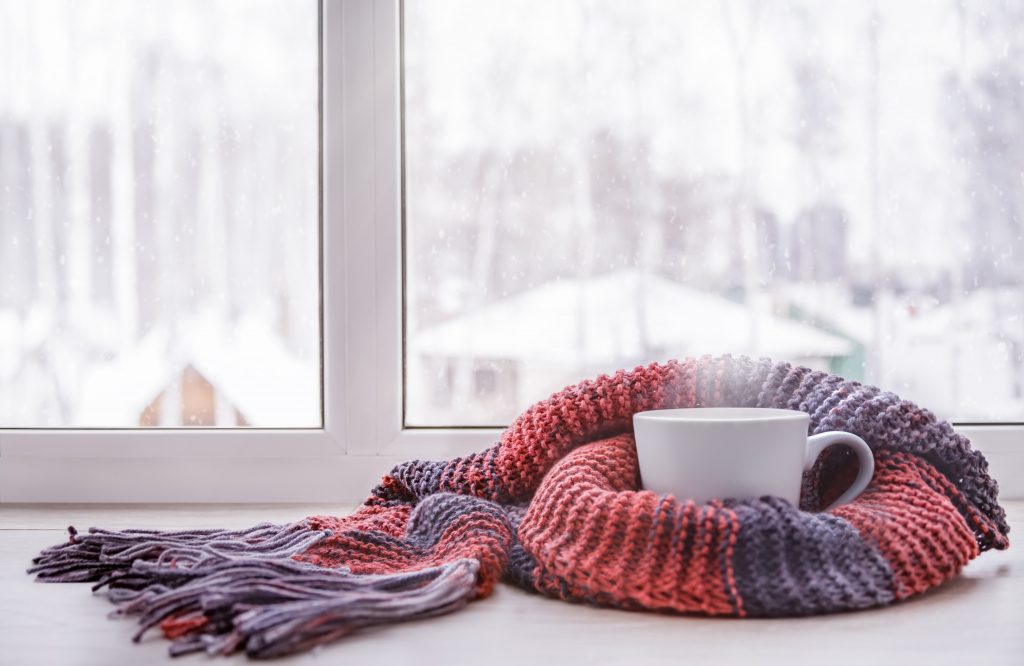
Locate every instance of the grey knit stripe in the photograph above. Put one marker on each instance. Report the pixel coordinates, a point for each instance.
(790, 562)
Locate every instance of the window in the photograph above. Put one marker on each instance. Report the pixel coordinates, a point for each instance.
(351, 224)
(159, 222)
(594, 185)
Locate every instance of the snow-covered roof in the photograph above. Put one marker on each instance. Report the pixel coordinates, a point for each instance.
(606, 317)
(830, 304)
(256, 373)
(246, 363)
(983, 314)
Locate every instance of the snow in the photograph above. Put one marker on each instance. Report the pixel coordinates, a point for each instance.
(593, 321)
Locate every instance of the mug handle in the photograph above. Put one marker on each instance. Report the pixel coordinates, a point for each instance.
(818, 443)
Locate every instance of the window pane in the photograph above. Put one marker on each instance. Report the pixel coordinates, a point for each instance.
(159, 213)
(595, 185)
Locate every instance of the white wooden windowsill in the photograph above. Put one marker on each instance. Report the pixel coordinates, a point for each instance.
(976, 618)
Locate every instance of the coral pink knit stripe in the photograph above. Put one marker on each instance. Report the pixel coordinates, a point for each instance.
(589, 498)
(920, 531)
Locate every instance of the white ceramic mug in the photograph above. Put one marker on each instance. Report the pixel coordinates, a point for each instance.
(710, 453)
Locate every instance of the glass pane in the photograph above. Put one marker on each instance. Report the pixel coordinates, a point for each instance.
(159, 213)
(596, 185)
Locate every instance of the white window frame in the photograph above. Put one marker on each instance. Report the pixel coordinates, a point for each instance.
(363, 433)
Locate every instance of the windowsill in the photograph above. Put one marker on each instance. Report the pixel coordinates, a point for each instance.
(972, 619)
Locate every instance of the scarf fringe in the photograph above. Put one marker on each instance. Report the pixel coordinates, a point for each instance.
(272, 609)
(223, 591)
(101, 555)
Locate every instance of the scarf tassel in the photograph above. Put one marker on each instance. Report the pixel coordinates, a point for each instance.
(223, 591)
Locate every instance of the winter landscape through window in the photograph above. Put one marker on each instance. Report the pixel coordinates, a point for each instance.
(159, 214)
(593, 185)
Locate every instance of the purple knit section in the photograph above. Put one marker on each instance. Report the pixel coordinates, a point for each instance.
(790, 562)
(520, 562)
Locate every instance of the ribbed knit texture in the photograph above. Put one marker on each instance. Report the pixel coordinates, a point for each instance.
(555, 507)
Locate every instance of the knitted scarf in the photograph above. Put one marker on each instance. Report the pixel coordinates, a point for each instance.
(555, 507)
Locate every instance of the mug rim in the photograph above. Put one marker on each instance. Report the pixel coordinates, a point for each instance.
(722, 414)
